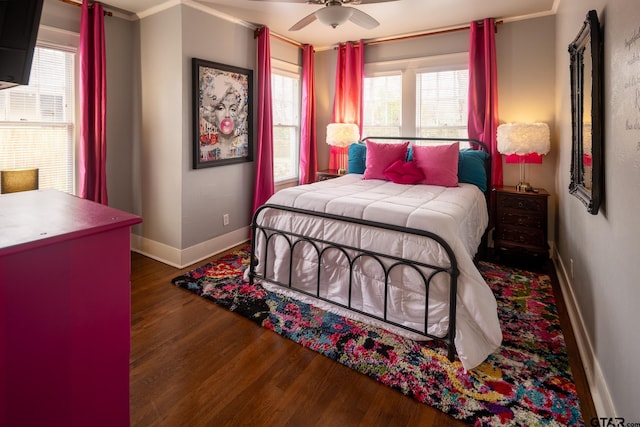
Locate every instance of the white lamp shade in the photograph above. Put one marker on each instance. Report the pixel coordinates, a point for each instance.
(523, 138)
(342, 134)
(334, 15)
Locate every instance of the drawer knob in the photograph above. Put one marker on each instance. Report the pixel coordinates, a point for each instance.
(520, 204)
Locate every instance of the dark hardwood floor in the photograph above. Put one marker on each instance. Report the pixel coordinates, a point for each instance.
(194, 363)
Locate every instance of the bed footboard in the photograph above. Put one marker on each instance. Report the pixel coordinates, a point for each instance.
(265, 236)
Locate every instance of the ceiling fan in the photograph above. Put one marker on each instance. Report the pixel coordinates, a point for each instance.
(335, 13)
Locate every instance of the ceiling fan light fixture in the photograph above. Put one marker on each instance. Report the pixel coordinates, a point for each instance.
(334, 15)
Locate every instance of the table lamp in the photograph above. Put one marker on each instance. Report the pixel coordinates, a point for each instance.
(522, 140)
(341, 136)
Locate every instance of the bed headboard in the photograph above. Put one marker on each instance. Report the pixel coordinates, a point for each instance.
(435, 140)
(471, 143)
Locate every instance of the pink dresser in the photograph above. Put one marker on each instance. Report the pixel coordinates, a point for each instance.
(64, 311)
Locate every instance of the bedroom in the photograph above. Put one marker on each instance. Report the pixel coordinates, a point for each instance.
(149, 169)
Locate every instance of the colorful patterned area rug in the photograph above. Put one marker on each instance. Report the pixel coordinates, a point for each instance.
(526, 382)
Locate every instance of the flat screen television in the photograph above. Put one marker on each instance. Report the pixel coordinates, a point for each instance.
(19, 22)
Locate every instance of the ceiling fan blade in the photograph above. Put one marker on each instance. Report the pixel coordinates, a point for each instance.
(303, 22)
(362, 19)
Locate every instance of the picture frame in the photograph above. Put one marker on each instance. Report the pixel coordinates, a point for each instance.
(587, 113)
(222, 114)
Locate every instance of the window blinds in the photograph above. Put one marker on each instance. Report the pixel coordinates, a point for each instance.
(442, 103)
(37, 121)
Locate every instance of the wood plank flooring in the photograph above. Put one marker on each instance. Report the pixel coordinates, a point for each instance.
(194, 363)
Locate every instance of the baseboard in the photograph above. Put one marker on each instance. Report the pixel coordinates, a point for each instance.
(181, 258)
(597, 383)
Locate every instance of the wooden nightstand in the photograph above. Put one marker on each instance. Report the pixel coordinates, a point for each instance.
(323, 175)
(521, 222)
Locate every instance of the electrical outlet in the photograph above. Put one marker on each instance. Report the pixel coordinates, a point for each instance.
(225, 219)
(571, 267)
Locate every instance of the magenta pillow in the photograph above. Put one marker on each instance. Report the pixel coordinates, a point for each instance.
(438, 163)
(402, 172)
(381, 156)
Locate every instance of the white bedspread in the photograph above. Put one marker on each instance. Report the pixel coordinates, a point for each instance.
(458, 214)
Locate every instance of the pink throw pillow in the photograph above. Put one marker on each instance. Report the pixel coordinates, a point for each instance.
(402, 172)
(381, 156)
(438, 163)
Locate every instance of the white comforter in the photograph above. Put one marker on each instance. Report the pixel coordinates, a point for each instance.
(459, 215)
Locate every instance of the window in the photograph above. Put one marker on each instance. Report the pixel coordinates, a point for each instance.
(37, 121)
(435, 101)
(382, 99)
(285, 93)
(442, 103)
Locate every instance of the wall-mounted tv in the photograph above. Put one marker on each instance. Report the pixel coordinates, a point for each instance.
(19, 22)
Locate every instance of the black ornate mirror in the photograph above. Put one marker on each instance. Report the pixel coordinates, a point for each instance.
(586, 114)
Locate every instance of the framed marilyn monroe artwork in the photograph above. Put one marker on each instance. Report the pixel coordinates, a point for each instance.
(222, 106)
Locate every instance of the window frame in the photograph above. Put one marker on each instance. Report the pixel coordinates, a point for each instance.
(61, 39)
(435, 69)
(384, 74)
(409, 68)
(286, 69)
(67, 42)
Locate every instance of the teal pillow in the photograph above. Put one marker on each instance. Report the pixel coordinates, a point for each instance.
(357, 158)
(471, 168)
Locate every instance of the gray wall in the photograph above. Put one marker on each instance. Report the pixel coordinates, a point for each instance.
(161, 150)
(325, 65)
(526, 93)
(605, 248)
(182, 207)
(209, 193)
(60, 15)
(122, 102)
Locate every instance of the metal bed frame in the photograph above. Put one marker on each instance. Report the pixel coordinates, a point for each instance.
(354, 254)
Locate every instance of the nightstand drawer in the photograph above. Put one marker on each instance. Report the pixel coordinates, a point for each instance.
(522, 220)
(525, 203)
(521, 236)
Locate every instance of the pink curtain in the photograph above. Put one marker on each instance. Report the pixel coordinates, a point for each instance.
(264, 187)
(93, 105)
(483, 92)
(347, 104)
(308, 154)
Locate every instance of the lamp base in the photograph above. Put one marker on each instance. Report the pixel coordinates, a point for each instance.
(524, 186)
(343, 160)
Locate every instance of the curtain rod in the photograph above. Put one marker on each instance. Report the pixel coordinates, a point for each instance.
(286, 40)
(378, 41)
(277, 36)
(75, 3)
(430, 33)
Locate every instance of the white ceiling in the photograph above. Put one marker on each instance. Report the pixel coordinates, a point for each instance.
(398, 17)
